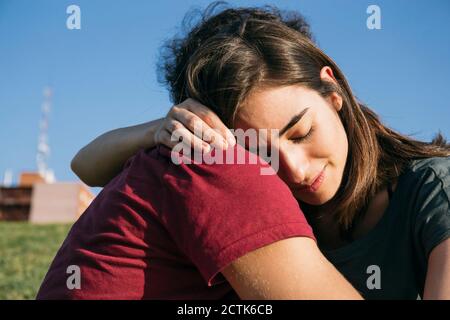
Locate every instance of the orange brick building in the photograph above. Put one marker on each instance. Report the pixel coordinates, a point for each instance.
(36, 201)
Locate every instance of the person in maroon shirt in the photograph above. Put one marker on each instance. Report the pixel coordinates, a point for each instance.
(160, 230)
(259, 69)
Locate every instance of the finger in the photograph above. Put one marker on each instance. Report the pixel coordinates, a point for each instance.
(199, 128)
(179, 133)
(164, 137)
(211, 118)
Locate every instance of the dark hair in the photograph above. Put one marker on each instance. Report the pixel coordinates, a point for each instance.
(227, 55)
(177, 52)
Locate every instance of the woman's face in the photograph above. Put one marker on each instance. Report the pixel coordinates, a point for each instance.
(311, 141)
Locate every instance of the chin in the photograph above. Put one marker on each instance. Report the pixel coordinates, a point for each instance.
(314, 200)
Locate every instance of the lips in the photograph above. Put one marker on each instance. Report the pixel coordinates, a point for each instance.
(316, 182)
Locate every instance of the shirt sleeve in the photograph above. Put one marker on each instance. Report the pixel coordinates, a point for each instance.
(432, 225)
(217, 213)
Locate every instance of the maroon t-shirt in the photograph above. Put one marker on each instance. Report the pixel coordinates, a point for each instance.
(160, 230)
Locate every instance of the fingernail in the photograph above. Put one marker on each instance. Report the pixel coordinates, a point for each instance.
(231, 139)
(225, 144)
(206, 137)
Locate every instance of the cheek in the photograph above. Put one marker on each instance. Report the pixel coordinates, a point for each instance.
(341, 141)
(331, 138)
(291, 157)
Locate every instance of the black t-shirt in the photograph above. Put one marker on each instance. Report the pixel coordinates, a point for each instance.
(390, 262)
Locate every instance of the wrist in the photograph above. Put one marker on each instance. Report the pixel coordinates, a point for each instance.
(147, 134)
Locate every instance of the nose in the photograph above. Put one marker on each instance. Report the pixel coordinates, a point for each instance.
(294, 166)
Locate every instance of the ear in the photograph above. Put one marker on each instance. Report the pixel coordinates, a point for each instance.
(336, 101)
(326, 74)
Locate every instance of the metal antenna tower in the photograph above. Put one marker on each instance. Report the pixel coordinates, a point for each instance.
(43, 148)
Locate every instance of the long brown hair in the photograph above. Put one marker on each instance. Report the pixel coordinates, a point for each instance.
(228, 54)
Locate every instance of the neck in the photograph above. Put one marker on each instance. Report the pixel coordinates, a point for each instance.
(327, 229)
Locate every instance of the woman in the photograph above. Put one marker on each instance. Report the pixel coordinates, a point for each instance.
(378, 201)
(165, 230)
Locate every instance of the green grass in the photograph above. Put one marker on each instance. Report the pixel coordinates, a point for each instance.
(26, 251)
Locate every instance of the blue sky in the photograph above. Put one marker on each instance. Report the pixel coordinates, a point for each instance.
(103, 75)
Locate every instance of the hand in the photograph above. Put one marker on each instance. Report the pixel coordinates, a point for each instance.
(197, 125)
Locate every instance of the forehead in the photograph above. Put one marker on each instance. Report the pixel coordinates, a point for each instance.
(273, 107)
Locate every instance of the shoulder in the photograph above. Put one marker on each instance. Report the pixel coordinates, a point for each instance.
(240, 191)
(427, 190)
(429, 179)
(424, 175)
(234, 169)
(225, 178)
(439, 167)
(218, 211)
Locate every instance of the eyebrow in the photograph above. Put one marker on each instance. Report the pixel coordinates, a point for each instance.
(293, 121)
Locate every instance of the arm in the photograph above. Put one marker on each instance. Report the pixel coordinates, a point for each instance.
(237, 224)
(437, 283)
(102, 159)
(293, 268)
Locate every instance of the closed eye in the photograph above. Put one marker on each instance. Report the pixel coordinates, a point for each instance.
(304, 138)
